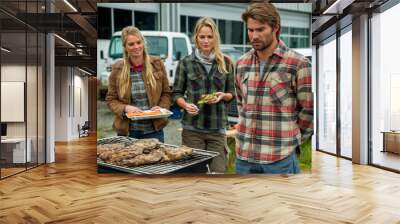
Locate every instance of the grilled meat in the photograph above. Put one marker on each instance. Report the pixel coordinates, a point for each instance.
(143, 151)
(173, 154)
(109, 147)
(147, 144)
(153, 157)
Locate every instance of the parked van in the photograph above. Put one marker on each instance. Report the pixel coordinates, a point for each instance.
(169, 46)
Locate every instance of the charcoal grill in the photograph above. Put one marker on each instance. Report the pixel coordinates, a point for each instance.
(198, 157)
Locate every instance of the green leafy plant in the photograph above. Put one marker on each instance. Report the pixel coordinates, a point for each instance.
(305, 157)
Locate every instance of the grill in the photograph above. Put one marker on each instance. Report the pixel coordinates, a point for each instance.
(200, 157)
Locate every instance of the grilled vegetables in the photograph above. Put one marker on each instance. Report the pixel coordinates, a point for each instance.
(141, 152)
(206, 98)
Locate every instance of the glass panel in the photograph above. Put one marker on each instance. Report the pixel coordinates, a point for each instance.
(285, 30)
(116, 47)
(146, 20)
(179, 46)
(192, 23)
(295, 37)
(327, 97)
(31, 98)
(104, 20)
(157, 46)
(13, 73)
(237, 35)
(228, 31)
(122, 18)
(385, 82)
(294, 42)
(183, 24)
(346, 94)
(41, 99)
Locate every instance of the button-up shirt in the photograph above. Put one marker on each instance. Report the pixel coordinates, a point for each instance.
(275, 107)
(140, 100)
(191, 81)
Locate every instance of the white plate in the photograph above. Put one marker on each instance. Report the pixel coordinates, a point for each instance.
(164, 113)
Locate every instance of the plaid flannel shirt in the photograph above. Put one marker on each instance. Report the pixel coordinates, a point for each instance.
(192, 80)
(140, 100)
(275, 109)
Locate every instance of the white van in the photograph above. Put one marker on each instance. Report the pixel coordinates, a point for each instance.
(169, 46)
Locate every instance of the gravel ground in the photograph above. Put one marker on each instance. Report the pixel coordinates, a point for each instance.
(105, 118)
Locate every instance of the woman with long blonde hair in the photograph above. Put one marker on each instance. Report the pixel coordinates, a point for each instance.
(138, 82)
(204, 85)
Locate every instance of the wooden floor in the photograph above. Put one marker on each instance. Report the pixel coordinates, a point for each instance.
(70, 191)
(386, 159)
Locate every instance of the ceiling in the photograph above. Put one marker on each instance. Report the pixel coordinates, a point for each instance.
(77, 25)
(328, 16)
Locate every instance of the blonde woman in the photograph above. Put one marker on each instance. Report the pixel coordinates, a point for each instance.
(138, 82)
(205, 72)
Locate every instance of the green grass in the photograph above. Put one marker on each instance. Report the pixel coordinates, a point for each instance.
(231, 167)
(105, 120)
(305, 157)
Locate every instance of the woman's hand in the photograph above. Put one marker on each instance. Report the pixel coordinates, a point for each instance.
(191, 108)
(132, 109)
(156, 108)
(217, 98)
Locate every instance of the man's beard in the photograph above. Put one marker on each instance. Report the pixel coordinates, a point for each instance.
(262, 45)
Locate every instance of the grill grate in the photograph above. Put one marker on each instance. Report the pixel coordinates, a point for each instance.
(198, 156)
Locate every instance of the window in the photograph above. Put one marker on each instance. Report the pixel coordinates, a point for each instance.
(327, 97)
(295, 37)
(115, 50)
(146, 20)
(157, 46)
(191, 24)
(298, 31)
(294, 42)
(285, 30)
(179, 45)
(104, 20)
(346, 94)
(183, 24)
(228, 31)
(385, 88)
(237, 32)
(122, 18)
(22, 75)
(221, 30)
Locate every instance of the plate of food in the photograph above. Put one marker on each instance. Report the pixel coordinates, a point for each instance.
(149, 114)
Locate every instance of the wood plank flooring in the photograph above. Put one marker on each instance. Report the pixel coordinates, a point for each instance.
(71, 191)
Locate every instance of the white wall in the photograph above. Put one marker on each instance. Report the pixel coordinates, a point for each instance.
(61, 103)
(71, 94)
(14, 72)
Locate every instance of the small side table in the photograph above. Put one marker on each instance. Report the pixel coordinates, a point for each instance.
(391, 141)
